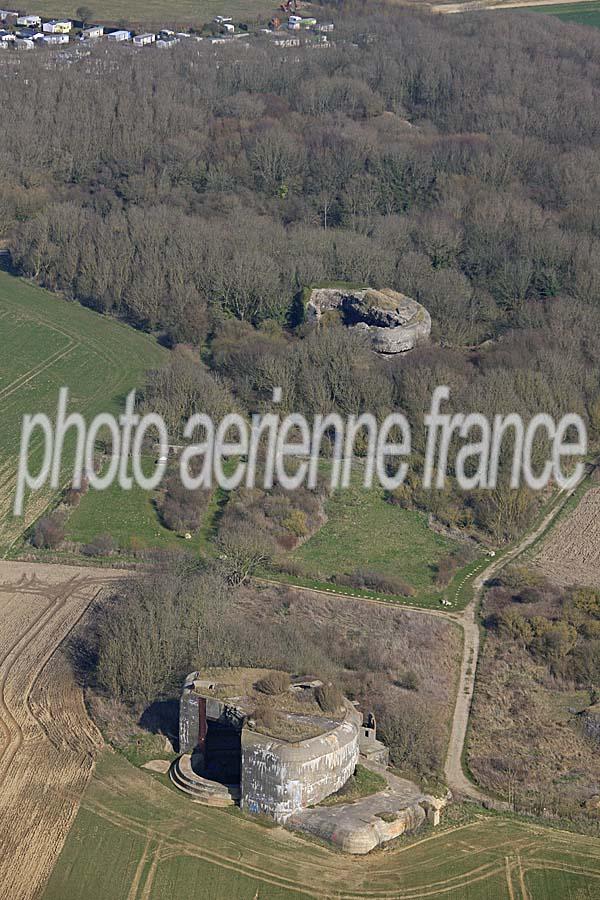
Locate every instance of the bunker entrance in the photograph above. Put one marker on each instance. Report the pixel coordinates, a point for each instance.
(222, 757)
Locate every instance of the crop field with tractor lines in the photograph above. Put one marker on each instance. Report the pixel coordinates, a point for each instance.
(571, 552)
(47, 741)
(136, 837)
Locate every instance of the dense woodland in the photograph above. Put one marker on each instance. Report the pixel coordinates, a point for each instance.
(453, 158)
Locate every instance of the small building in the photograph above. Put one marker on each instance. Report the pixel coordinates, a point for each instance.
(166, 42)
(52, 40)
(142, 40)
(118, 36)
(57, 26)
(222, 20)
(92, 32)
(324, 26)
(24, 44)
(228, 27)
(29, 21)
(293, 26)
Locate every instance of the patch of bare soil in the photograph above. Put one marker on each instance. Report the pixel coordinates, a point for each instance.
(571, 553)
(473, 5)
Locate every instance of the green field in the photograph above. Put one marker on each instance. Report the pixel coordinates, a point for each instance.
(136, 837)
(158, 12)
(363, 531)
(49, 343)
(129, 517)
(132, 520)
(582, 13)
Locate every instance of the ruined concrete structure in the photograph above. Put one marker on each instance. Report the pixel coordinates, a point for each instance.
(281, 778)
(279, 774)
(393, 322)
(281, 755)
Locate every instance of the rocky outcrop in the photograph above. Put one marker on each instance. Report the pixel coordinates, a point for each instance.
(591, 722)
(393, 322)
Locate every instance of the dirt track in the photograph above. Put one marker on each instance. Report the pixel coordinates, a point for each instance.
(453, 769)
(483, 5)
(47, 742)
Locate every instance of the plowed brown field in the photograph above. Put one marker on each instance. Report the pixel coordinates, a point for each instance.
(47, 742)
(571, 553)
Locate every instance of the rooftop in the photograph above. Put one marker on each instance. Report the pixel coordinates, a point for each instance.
(290, 714)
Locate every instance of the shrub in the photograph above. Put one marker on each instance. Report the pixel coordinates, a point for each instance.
(264, 716)
(514, 626)
(372, 581)
(289, 567)
(244, 548)
(101, 545)
(273, 683)
(329, 697)
(182, 509)
(400, 496)
(49, 532)
(414, 736)
(296, 523)
(409, 681)
(287, 541)
(72, 497)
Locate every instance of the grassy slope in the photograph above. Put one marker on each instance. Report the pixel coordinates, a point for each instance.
(134, 827)
(364, 531)
(159, 12)
(49, 343)
(128, 516)
(587, 13)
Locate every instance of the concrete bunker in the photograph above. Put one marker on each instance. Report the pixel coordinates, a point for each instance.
(393, 322)
(281, 761)
(280, 756)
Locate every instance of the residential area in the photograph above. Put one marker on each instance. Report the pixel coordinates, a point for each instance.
(23, 31)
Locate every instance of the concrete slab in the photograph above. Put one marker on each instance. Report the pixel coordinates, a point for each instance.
(161, 766)
(365, 824)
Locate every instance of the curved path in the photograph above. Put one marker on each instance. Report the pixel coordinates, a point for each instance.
(468, 621)
(453, 769)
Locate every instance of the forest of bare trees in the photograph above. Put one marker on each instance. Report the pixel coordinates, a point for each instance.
(454, 159)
